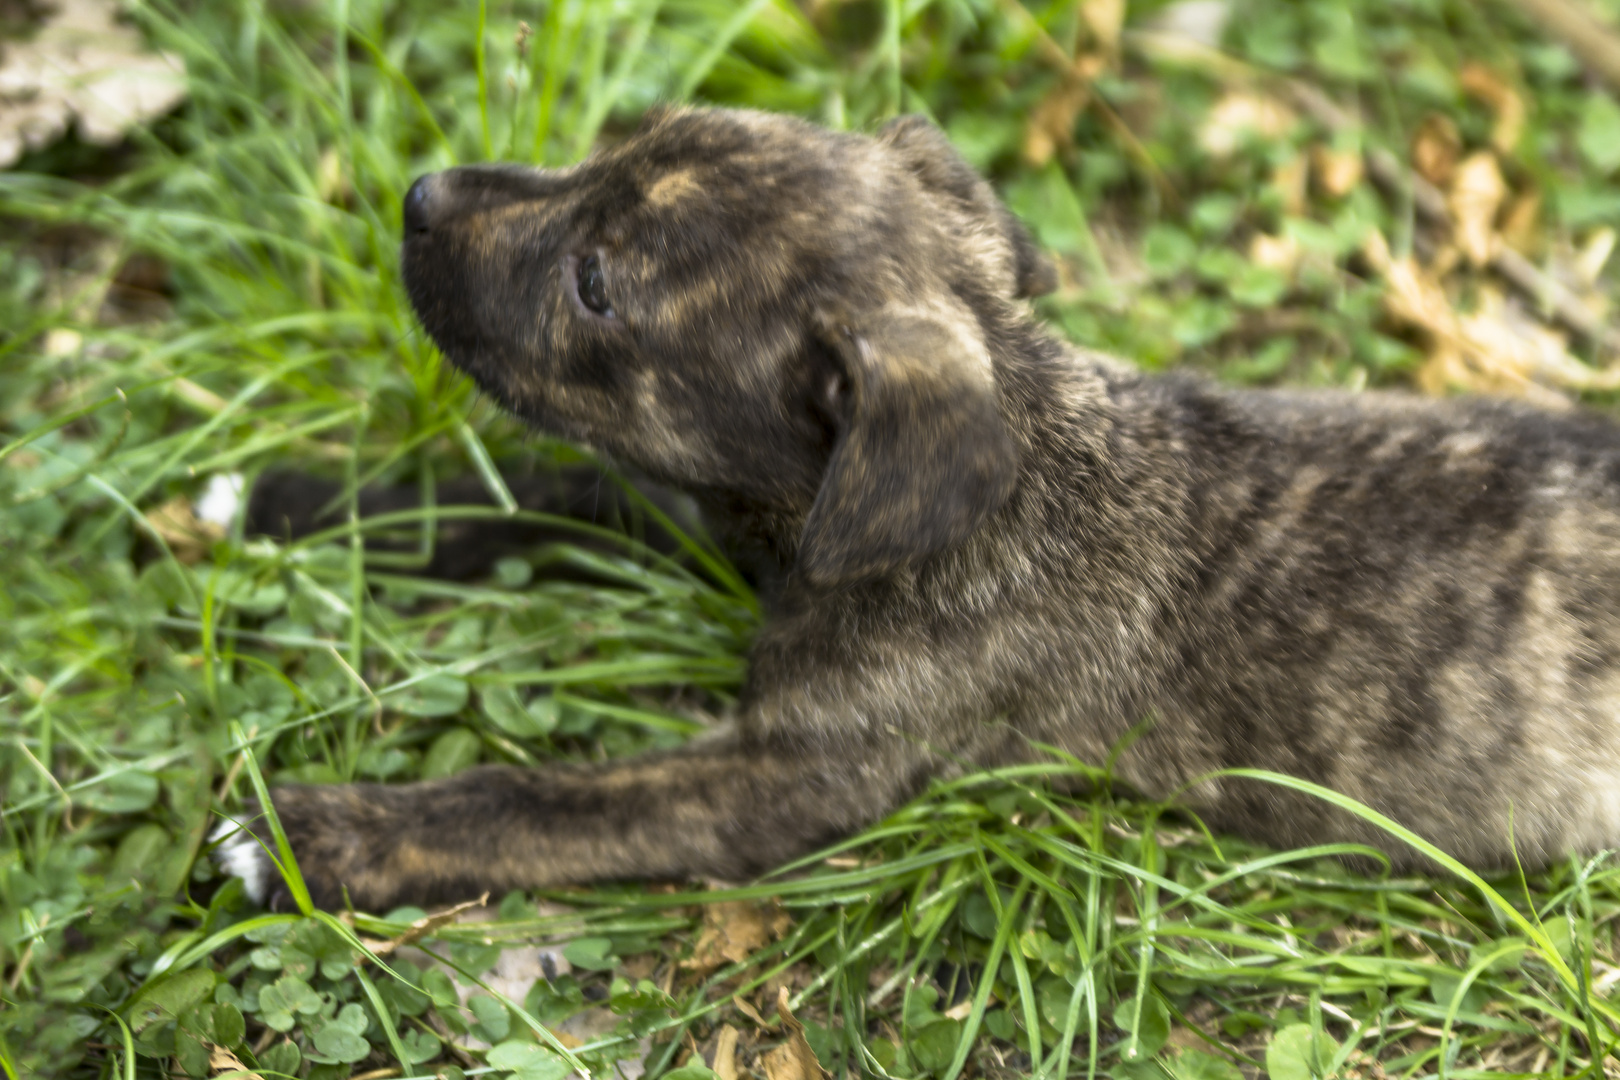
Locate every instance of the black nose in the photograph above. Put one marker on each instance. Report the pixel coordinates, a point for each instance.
(417, 205)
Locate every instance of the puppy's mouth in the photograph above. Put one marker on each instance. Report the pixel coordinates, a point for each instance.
(440, 296)
(496, 375)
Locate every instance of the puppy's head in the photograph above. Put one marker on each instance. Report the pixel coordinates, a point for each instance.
(750, 306)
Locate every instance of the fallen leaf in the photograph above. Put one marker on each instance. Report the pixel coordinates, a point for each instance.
(82, 65)
(732, 932)
(1240, 115)
(1051, 123)
(1594, 255)
(1520, 219)
(1337, 171)
(1274, 252)
(746, 1007)
(222, 1061)
(725, 1053)
(1443, 261)
(1288, 177)
(1435, 148)
(1504, 101)
(793, 1060)
(1104, 18)
(422, 927)
(1477, 191)
(186, 535)
(1505, 335)
(963, 1009)
(1496, 349)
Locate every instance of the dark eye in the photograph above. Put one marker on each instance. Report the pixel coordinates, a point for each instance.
(592, 287)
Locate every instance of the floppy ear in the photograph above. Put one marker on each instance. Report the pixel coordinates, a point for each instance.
(924, 457)
(931, 157)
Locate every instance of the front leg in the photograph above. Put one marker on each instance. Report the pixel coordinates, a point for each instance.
(721, 807)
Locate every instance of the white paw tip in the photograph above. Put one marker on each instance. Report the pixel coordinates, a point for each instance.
(238, 855)
(220, 500)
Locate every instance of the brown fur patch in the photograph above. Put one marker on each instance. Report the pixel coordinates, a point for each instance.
(672, 187)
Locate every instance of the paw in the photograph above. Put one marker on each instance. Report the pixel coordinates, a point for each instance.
(345, 838)
(241, 854)
(244, 851)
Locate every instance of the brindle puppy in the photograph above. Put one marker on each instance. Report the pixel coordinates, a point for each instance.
(986, 536)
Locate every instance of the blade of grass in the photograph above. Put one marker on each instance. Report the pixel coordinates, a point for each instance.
(285, 862)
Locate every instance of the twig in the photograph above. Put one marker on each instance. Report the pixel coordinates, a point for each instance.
(1553, 295)
(22, 967)
(1562, 305)
(231, 773)
(424, 926)
(67, 800)
(1592, 41)
(1054, 56)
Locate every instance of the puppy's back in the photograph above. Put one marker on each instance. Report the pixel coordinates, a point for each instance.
(1416, 603)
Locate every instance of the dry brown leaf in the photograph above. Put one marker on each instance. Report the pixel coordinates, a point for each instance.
(1496, 349)
(82, 65)
(1289, 177)
(1505, 335)
(1435, 149)
(422, 927)
(1477, 191)
(1520, 220)
(1242, 114)
(1274, 252)
(1445, 259)
(793, 1060)
(189, 537)
(725, 1053)
(1594, 255)
(1414, 297)
(962, 1009)
(732, 932)
(1504, 101)
(1104, 18)
(1051, 123)
(746, 1007)
(1337, 171)
(221, 1062)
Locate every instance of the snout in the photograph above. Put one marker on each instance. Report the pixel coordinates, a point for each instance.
(438, 200)
(419, 204)
(479, 261)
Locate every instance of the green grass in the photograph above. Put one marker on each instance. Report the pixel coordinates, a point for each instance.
(995, 926)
